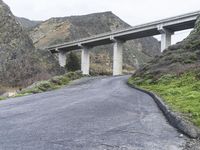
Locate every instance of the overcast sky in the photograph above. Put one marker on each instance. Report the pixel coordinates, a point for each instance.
(134, 12)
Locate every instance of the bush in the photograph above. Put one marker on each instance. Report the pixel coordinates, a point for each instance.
(60, 80)
(73, 62)
(45, 86)
(2, 98)
(54, 83)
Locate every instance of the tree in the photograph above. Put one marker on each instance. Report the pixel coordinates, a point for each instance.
(73, 62)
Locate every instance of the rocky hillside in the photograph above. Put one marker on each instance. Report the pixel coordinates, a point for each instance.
(58, 30)
(178, 58)
(20, 63)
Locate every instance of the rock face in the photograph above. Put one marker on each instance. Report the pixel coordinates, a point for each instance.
(59, 30)
(20, 63)
(178, 58)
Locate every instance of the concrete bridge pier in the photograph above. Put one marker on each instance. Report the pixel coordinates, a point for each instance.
(85, 61)
(62, 58)
(165, 37)
(117, 57)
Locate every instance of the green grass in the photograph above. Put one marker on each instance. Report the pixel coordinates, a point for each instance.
(51, 84)
(181, 93)
(2, 98)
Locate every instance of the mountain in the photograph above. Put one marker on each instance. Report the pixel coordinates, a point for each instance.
(27, 24)
(177, 59)
(20, 63)
(24, 61)
(59, 30)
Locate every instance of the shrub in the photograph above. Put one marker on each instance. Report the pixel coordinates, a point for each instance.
(2, 98)
(73, 62)
(45, 86)
(51, 84)
(60, 80)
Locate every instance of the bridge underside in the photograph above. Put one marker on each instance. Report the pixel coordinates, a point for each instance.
(165, 27)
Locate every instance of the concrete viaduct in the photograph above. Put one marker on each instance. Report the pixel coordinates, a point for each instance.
(165, 27)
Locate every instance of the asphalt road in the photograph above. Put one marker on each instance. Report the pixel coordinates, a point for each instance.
(93, 114)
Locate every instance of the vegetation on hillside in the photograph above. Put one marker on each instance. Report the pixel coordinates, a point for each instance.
(48, 85)
(175, 76)
(180, 92)
(177, 59)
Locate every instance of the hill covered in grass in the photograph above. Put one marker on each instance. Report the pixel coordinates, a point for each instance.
(175, 76)
(177, 59)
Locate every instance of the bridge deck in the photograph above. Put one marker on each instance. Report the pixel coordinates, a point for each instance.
(173, 24)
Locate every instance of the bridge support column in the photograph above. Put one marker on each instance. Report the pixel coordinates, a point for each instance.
(165, 38)
(117, 57)
(85, 61)
(62, 58)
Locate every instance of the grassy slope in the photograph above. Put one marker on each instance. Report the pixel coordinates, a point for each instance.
(175, 76)
(48, 85)
(180, 92)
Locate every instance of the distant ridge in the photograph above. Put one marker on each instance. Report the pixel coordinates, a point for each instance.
(28, 24)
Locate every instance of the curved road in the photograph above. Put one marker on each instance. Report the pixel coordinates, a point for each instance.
(92, 114)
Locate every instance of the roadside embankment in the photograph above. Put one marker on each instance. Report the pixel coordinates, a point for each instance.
(178, 98)
(47, 85)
